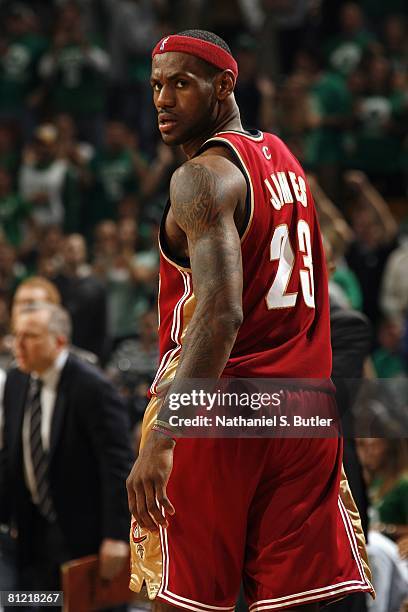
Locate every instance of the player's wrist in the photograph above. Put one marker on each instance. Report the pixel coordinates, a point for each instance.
(164, 434)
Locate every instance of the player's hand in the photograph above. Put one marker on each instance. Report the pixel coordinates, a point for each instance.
(113, 555)
(147, 482)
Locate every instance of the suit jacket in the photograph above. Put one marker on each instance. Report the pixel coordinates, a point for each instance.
(89, 459)
(351, 340)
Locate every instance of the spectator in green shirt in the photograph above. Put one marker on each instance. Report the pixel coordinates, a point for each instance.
(325, 144)
(75, 73)
(329, 106)
(48, 183)
(20, 50)
(387, 358)
(385, 464)
(14, 211)
(116, 170)
(345, 51)
(380, 127)
(130, 274)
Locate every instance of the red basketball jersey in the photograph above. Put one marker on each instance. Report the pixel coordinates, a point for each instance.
(286, 330)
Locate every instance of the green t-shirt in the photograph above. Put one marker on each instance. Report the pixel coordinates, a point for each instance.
(126, 303)
(77, 88)
(393, 506)
(344, 53)
(18, 70)
(114, 178)
(377, 148)
(329, 98)
(388, 365)
(347, 280)
(13, 211)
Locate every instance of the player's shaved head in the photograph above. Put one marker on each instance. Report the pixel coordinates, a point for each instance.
(208, 37)
(210, 50)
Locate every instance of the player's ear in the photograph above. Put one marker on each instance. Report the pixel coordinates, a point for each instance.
(224, 84)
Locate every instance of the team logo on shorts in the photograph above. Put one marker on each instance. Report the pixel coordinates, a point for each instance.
(137, 536)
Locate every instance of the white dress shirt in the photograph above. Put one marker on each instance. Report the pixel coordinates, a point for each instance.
(50, 379)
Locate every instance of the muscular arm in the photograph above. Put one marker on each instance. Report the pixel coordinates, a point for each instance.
(203, 202)
(204, 194)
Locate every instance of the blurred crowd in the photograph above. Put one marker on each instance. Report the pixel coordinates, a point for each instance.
(84, 176)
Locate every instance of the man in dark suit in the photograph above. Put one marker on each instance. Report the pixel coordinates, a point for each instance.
(351, 341)
(65, 457)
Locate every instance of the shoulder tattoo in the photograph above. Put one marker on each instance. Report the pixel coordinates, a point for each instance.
(193, 194)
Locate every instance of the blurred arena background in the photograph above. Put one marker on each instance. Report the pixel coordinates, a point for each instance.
(84, 176)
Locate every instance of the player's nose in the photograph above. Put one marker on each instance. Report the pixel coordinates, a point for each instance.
(166, 98)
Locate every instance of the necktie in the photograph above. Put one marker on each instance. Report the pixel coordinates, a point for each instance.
(39, 457)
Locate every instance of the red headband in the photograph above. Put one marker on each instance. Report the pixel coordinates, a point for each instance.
(206, 51)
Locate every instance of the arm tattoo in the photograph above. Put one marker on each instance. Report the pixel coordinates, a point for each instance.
(193, 194)
(203, 203)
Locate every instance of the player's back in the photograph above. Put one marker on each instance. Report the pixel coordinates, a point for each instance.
(285, 332)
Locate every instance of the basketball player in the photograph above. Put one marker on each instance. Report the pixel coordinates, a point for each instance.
(243, 293)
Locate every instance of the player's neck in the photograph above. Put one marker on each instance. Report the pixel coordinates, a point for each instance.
(231, 121)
